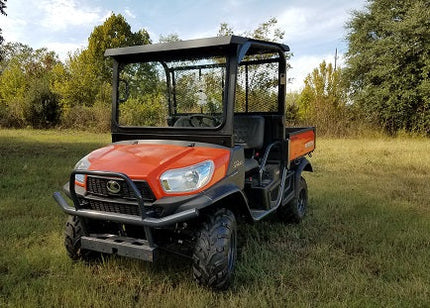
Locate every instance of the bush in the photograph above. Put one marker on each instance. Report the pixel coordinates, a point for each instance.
(12, 114)
(41, 105)
(94, 118)
(148, 110)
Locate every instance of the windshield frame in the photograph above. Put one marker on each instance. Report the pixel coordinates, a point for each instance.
(221, 134)
(172, 105)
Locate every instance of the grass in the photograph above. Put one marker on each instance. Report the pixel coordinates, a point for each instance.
(365, 242)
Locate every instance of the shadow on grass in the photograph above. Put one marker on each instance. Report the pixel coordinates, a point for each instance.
(14, 148)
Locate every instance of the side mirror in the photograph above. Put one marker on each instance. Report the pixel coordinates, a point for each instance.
(123, 90)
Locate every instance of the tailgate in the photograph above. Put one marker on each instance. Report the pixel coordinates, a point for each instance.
(301, 141)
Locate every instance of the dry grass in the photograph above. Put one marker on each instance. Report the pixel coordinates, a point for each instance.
(365, 242)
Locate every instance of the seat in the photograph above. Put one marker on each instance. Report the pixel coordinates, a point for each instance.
(250, 164)
(249, 133)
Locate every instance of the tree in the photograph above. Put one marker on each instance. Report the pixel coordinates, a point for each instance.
(2, 12)
(265, 31)
(389, 63)
(322, 101)
(25, 87)
(169, 38)
(85, 81)
(114, 32)
(3, 7)
(225, 29)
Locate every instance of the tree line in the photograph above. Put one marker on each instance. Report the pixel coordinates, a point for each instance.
(38, 90)
(385, 83)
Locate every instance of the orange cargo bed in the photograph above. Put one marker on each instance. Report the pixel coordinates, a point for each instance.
(301, 141)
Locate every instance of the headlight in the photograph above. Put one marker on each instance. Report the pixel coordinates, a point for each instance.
(187, 179)
(83, 164)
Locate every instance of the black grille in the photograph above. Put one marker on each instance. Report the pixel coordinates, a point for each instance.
(130, 209)
(98, 186)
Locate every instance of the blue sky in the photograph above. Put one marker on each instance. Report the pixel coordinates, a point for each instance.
(314, 28)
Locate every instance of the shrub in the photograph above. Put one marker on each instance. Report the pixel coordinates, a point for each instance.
(147, 110)
(41, 105)
(94, 118)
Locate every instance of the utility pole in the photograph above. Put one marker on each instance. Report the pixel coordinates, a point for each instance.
(335, 59)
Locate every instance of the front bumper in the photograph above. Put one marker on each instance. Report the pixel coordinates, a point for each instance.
(141, 248)
(143, 220)
(124, 218)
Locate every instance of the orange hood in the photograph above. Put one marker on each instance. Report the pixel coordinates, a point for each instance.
(148, 161)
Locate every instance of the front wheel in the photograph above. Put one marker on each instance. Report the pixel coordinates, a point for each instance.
(215, 251)
(72, 240)
(295, 210)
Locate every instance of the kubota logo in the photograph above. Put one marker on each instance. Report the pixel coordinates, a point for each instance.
(113, 187)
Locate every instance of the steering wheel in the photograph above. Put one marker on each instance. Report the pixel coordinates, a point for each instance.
(203, 120)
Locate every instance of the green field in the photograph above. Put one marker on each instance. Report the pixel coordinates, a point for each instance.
(365, 242)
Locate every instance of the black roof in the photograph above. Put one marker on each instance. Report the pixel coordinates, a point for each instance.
(212, 45)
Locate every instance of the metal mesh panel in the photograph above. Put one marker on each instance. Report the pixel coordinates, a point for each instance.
(198, 89)
(257, 87)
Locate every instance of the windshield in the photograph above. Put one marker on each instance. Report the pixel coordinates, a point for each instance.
(181, 93)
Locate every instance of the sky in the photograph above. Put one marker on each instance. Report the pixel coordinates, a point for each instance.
(313, 28)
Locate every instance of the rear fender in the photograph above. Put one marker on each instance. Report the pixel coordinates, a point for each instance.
(304, 165)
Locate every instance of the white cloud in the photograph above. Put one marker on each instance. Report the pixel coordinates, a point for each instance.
(60, 14)
(128, 13)
(304, 24)
(13, 28)
(63, 49)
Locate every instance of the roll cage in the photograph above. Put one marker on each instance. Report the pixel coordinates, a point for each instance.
(240, 94)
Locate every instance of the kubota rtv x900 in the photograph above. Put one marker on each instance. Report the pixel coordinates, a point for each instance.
(199, 143)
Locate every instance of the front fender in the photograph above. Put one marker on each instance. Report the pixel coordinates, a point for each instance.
(226, 194)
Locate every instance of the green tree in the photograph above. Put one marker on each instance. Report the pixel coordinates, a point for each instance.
(2, 12)
(84, 83)
(25, 87)
(389, 63)
(77, 82)
(225, 29)
(292, 108)
(265, 31)
(322, 101)
(114, 32)
(169, 38)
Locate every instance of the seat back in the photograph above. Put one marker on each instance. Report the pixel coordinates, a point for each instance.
(249, 131)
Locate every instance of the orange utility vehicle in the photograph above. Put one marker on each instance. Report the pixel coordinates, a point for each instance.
(199, 143)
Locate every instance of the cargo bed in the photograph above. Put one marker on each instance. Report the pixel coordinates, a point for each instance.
(301, 141)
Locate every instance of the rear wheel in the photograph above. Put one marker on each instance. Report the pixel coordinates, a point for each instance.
(72, 241)
(214, 255)
(295, 210)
